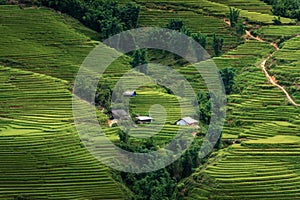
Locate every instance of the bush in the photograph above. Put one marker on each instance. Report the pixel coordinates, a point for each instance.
(277, 21)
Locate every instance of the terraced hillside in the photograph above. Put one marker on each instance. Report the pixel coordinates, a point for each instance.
(252, 5)
(42, 41)
(209, 24)
(41, 154)
(285, 67)
(265, 164)
(46, 42)
(272, 170)
(251, 11)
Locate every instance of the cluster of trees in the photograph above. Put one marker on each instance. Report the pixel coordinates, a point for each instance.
(178, 25)
(104, 16)
(204, 99)
(285, 8)
(159, 184)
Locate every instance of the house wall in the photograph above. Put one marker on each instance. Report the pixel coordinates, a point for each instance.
(144, 121)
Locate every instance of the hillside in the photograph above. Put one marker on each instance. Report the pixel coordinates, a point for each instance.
(257, 157)
(41, 154)
(261, 120)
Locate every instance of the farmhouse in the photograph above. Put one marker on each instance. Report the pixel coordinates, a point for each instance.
(129, 94)
(143, 119)
(187, 121)
(119, 114)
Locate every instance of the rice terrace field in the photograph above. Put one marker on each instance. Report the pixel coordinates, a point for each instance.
(255, 47)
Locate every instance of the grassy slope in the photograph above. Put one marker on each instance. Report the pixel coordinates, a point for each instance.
(221, 9)
(254, 171)
(40, 40)
(250, 5)
(152, 15)
(286, 69)
(266, 167)
(41, 155)
(258, 111)
(45, 42)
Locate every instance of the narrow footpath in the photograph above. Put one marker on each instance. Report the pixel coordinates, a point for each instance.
(263, 65)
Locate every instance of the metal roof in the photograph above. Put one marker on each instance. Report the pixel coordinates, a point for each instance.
(128, 93)
(144, 118)
(189, 120)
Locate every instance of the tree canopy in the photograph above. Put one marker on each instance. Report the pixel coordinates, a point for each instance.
(104, 16)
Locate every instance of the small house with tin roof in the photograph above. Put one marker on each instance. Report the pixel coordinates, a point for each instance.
(144, 119)
(187, 121)
(129, 93)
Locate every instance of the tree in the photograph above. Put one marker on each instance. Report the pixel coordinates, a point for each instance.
(204, 103)
(110, 27)
(228, 75)
(185, 31)
(136, 59)
(187, 164)
(155, 185)
(176, 169)
(285, 8)
(240, 28)
(123, 136)
(200, 38)
(233, 16)
(103, 96)
(175, 24)
(129, 15)
(217, 45)
(277, 20)
(140, 59)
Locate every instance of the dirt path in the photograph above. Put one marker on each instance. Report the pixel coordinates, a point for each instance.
(271, 79)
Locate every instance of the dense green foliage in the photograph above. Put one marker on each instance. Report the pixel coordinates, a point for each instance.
(233, 16)
(218, 45)
(160, 184)
(140, 60)
(175, 24)
(103, 96)
(106, 17)
(285, 8)
(204, 103)
(40, 150)
(228, 75)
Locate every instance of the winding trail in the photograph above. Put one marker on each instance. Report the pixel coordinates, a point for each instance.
(271, 79)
